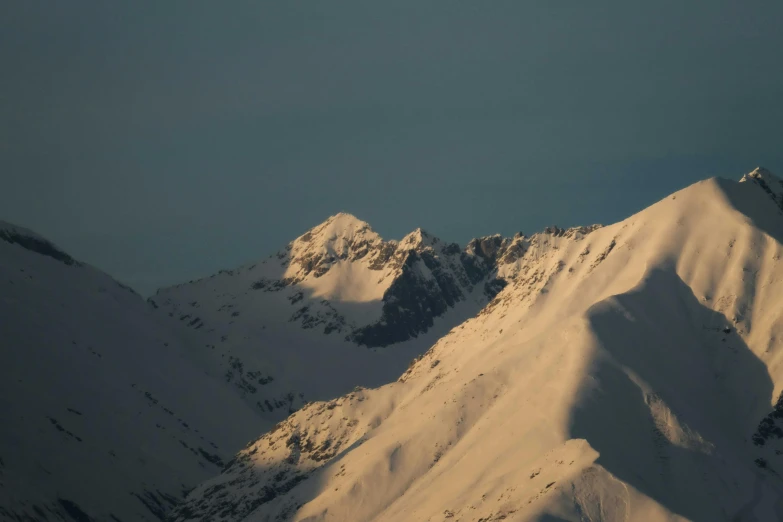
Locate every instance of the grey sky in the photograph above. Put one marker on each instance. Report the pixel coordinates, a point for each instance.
(161, 141)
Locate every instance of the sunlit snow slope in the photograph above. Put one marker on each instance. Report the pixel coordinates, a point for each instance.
(337, 308)
(627, 374)
(103, 414)
(113, 408)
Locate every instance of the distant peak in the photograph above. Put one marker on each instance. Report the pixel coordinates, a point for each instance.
(419, 238)
(344, 217)
(760, 173)
(420, 232)
(335, 235)
(339, 224)
(768, 182)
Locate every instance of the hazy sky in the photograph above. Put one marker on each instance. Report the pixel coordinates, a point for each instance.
(161, 141)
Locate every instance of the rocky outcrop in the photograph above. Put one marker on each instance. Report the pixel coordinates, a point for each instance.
(431, 277)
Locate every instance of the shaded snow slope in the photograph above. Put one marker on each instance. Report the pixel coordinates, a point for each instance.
(31, 241)
(630, 375)
(341, 307)
(768, 182)
(105, 416)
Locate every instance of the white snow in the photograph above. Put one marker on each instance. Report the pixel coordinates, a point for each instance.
(621, 376)
(88, 376)
(625, 373)
(266, 331)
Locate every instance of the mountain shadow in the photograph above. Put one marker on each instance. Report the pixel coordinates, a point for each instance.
(674, 399)
(751, 199)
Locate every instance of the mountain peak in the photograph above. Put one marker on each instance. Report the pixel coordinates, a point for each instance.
(419, 238)
(342, 236)
(768, 182)
(337, 227)
(761, 173)
(345, 219)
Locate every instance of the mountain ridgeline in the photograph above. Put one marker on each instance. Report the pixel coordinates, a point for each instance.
(629, 372)
(404, 285)
(340, 307)
(122, 406)
(626, 372)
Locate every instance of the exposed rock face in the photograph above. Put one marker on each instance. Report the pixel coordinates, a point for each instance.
(429, 278)
(412, 301)
(769, 427)
(420, 276)
(336, 294)
(606, 381)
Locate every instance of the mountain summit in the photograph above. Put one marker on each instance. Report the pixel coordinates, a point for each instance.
(629, 372)
(349, 307)
(768, 182)
(626, 372)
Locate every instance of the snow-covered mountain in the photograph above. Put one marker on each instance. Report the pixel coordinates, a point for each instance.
(106, 416)
(341, 307)
(116, 407)
(624, 373)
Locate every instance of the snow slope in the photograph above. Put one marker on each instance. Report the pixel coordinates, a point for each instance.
(105, 416)
(116, 409)
(627, 374)
(339, 307)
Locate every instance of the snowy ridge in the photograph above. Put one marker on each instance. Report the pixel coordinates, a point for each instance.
(633, 374)
(348, 307)
(106, 415)
(29, 240)
(75, 449)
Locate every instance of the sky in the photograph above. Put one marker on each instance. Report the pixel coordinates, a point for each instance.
(163, 141)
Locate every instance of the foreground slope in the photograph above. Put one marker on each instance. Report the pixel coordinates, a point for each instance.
(337, 308)
(104, 414)
(630, 375)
